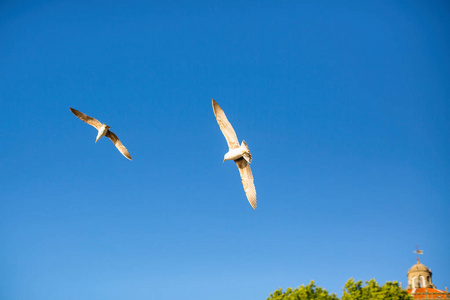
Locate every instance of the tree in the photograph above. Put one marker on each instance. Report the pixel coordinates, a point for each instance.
(352, 291)
(303, 293)
(372, 291)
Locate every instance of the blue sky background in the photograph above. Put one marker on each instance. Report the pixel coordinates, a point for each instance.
(345, 107)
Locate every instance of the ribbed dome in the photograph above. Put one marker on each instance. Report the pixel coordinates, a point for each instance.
(419, 276)
(419, 268)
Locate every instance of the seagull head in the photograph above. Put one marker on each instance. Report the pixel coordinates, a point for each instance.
(102, 131)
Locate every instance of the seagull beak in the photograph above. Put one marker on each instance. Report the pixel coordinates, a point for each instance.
(223, 161)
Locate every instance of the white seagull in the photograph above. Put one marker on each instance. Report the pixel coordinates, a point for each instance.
(239, 153)
(103, 130)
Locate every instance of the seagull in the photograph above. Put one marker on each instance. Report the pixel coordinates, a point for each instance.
(103, 130)
(239, 153)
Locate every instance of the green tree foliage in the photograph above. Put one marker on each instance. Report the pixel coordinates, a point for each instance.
(302, 293)
(372, 291)
(352, 291)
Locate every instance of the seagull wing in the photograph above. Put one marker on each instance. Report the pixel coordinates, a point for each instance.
(225, 126)
(118, 144)
(83, 117)
(247, 180)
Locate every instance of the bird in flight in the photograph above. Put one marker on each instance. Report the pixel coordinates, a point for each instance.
(239, 153)
(103, 130)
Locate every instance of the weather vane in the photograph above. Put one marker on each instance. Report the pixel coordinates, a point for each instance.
(417, 251)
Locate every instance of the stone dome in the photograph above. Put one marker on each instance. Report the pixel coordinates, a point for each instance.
(419, 268)
(419, 276)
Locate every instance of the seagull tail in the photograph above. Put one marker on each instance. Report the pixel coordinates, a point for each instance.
(247, 156)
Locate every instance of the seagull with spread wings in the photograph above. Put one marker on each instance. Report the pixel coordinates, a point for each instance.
(103, 130)
(239, 153)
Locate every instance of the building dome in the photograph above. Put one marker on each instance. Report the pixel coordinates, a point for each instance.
(419, 276)
(419, 268)
(420, 286)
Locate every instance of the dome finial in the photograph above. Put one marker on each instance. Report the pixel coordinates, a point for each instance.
(418, 252)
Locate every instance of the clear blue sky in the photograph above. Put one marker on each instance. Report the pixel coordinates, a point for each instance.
(345, 107)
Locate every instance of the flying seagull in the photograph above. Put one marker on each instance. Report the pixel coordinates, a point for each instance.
(239, 153)
(103, 130)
